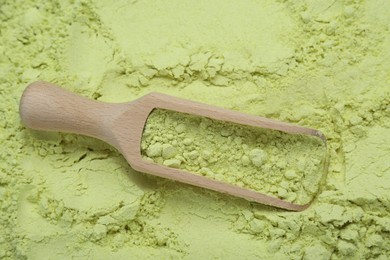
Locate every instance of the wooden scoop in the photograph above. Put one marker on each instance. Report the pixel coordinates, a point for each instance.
(44, 106)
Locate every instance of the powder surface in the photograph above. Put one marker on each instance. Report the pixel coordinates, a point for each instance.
(320, 64)
(282, 165)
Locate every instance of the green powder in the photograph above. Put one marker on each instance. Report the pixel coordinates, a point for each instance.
(320, 64)
(272, 162)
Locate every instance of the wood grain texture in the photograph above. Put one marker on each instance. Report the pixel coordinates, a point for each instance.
(44, 106)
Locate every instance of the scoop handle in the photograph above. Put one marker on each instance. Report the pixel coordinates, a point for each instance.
(45, 106)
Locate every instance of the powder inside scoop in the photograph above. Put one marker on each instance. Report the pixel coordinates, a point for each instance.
(288, 166)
